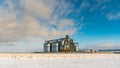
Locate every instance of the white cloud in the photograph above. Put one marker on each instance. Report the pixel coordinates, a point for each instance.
(101, 4)
(65, 23)
(10, 28)
(36, 19)
(113, 16)
(37, 7)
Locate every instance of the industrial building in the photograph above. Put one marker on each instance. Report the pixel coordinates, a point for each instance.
(61, 45)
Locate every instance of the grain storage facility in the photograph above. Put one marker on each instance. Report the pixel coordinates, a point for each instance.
(61, 45)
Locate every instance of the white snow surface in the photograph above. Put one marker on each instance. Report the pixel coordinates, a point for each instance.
(56, 61)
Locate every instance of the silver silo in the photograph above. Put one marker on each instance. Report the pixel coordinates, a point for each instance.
(55, 47)
(76, 47)
(62, 45)
(47, 47)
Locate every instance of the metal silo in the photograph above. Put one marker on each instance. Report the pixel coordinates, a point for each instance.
(47, 47)
(62, 45)
(76, 47)
(63, 42)
(55, 47)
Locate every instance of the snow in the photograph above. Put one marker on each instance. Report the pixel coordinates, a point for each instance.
(86, 61)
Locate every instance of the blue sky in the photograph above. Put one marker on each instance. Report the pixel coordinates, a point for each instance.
(26, 24)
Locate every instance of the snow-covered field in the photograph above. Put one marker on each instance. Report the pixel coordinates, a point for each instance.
(59, 60)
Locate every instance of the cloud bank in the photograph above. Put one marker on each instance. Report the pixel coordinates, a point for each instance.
(33, 18)
(24, 20)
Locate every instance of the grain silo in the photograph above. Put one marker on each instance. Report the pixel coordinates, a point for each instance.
(76, 47)
(61, 45)
(54, 47)
(47, 47)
